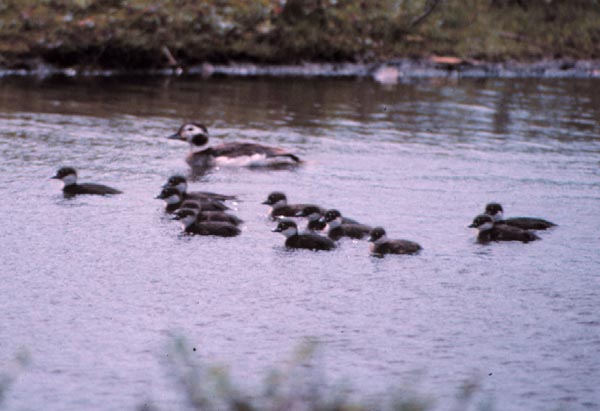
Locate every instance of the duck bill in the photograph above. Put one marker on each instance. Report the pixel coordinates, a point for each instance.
(299, 214)
(175, 136)
(472, 226)
(267, 202)
(276, 230)
(55, 177)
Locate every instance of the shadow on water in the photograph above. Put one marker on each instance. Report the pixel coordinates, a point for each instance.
(426, 106)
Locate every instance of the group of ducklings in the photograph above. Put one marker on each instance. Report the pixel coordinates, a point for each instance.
(493, 227)
(335, 225)
(205, 213)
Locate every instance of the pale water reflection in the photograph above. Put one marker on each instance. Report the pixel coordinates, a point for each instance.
(92, 287)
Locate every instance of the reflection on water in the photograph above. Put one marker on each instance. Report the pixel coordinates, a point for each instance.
(92, 286)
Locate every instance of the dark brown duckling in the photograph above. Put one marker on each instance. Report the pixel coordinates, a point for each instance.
(68, 175)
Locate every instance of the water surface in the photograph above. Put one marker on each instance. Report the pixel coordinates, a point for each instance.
(92, 287)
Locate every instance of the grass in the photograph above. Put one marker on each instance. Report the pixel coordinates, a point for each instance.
(11, 372)
(143, 34)
(298, 385)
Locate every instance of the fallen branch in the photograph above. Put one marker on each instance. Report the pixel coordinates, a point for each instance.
(431, 6)
(169, 56)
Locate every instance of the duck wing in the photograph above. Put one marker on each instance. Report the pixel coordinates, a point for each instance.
(217, 228)
(219, 216)
(207, 204)
(356, 230)
(505, 232)
(211, 195)
(528, 223)
(310, 242)
(100, 189)
(403, 247)
(249, 149)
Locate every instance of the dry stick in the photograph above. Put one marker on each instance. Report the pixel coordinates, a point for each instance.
(432, 5)
(169, 56)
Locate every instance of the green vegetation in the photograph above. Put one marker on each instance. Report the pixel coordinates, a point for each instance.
(9, 374)
(143, 34)
(299, 385)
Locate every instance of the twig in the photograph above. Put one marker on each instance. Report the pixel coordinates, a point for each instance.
(169, 56)
(432, 5)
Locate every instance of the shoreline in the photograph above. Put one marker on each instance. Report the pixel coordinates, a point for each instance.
(392, 71)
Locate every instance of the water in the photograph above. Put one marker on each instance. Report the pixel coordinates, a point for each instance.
(93, 287)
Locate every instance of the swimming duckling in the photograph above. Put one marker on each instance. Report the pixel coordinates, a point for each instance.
(174, 200)
(191, 225)
(526, 223)
(280, 207)
(203, 216)
(68, 175)
(180, 183)
(382, 245)
(314, 214)
(307, 241)
(490, 231)
(336, 229)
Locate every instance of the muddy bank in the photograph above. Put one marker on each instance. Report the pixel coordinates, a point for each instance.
(385, 72)
(483, 38)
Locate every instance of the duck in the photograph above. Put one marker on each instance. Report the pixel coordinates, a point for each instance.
(336, 229)
(71, 188)
(383, 245)
(496, 211)
(491, 231)
(280, 207)
(235, 153)
(203, 216)
(190, 224)
(180, 183)
(308, 241)
(314, 214)
(174, 200)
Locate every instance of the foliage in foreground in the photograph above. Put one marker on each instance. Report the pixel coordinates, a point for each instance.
(142, 34)
(10, 372)
(299, 386)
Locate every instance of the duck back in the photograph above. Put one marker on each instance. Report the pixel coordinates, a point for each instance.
(310, 242)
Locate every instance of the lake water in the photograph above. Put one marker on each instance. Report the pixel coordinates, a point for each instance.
(92, 288)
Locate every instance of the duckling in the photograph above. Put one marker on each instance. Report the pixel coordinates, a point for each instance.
(307, 241)
(68, 175)
(336, 229)
(314, 214)
(382, 245)
(280, 207)
(174, 200)
(180, 183)
(526, 223)
(191, 225)
(490, 231)
(203, 216)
